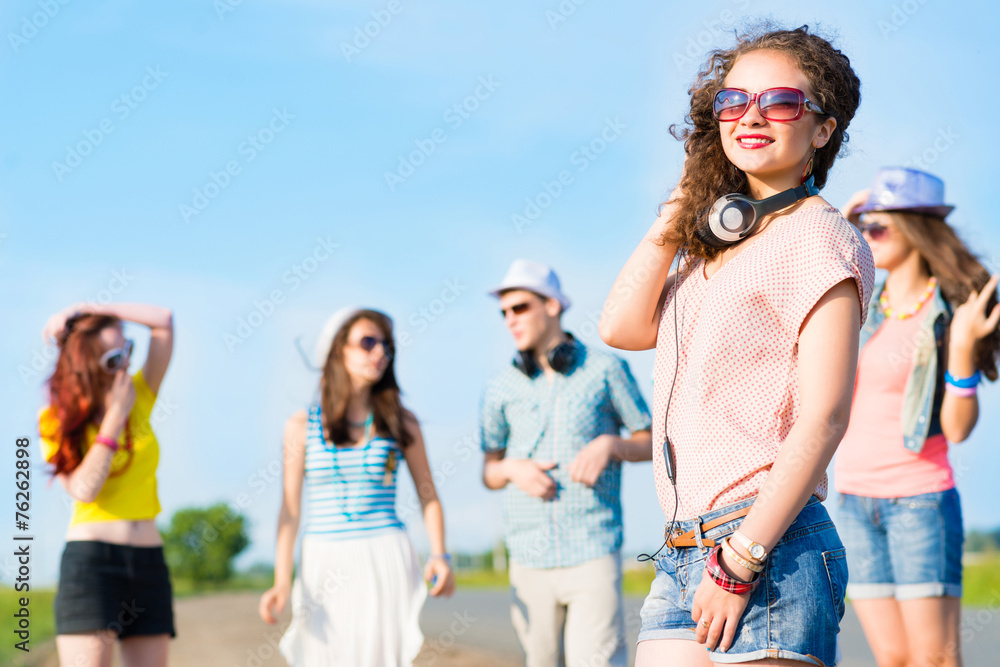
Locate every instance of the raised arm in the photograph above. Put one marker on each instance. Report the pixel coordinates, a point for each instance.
(632, 310)
(161, 329)
(273, 602)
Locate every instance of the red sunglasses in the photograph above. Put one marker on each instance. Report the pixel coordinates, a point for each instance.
(778, 104)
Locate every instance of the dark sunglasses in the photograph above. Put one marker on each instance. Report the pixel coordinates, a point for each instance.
(517, 309)
(778, 104)
(368, 344)
(876, 231)
(116, 359)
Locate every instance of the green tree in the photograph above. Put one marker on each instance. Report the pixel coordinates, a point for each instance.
(201, 543)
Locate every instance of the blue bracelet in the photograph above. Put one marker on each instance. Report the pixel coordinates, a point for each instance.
(446, 557)
(963, 383)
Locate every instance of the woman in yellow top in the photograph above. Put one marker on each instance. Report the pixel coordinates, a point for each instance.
(113, 581)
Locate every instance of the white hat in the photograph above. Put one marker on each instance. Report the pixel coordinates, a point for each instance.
(532, 276)
(329, 332)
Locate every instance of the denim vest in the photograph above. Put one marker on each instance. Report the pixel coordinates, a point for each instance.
(924, 391)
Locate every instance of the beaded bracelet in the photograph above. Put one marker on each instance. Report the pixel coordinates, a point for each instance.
(723, 580)
(107, 442)
(446, 557)
(963, 383)
(961, 392)
(731, 552)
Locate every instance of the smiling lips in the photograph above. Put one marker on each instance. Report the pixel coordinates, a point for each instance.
(753, 141)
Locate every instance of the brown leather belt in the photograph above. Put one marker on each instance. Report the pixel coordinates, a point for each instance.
(690, 538)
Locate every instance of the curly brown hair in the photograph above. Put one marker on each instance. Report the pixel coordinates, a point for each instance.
(709, 174)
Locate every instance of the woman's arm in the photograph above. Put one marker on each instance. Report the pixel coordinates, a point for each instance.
(416, 461)
(88, 478)
(828, 361)
(959, 414)
(273, 602)
(632, 310)
(161, 332)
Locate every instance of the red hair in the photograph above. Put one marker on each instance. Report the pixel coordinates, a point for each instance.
(77, 387)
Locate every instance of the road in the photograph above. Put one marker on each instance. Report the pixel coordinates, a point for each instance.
(472, 629)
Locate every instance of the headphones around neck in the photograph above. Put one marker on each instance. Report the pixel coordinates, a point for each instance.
(735, 216)
(560, 358)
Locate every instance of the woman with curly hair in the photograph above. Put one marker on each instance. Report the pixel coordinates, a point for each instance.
(931, 336)
(113, 580)
(358, 592)
(756, 338)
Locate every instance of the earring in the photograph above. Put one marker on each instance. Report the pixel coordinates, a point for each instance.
(809, 167)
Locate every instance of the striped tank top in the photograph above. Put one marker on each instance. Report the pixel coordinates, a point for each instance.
(348, 491)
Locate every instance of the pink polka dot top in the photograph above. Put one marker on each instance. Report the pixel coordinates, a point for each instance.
(736, 396)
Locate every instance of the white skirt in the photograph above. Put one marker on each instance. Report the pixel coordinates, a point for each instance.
(356, 603)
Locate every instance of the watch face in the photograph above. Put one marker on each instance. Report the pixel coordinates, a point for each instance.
(757, 551)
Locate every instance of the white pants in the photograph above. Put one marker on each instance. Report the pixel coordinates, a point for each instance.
(573, 612)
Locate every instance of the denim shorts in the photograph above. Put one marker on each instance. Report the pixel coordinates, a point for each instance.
(793, 613)
(906, 548)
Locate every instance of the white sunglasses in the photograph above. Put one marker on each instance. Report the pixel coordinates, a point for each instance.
(116, 359)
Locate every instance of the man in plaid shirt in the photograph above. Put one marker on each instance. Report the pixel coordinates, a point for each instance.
(550, 428)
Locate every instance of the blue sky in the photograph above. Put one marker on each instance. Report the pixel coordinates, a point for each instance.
(270, 162)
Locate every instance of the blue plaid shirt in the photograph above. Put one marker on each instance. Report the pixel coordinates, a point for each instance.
(533, 418)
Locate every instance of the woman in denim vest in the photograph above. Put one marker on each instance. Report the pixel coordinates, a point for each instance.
(931, 335)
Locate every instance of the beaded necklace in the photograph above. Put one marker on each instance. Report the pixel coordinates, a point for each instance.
(346, 512)
(883, 301)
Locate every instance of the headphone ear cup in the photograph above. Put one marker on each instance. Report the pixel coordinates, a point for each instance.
(731, 219)
(524, 362)
(561, 357)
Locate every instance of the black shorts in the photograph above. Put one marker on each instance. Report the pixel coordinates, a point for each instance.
(114, 587)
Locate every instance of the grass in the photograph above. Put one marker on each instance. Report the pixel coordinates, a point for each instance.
(42, 623)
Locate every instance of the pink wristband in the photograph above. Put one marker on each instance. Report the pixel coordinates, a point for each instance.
(963, 392)
(107, 442)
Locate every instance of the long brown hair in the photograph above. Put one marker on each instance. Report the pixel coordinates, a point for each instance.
(335, 387)
(77, 386)
(709, 173)
(959, 272)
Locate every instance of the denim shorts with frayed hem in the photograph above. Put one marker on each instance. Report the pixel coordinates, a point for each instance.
(904, 548)
(793, 613)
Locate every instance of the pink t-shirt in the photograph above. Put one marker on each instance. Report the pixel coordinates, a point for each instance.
(737, 395)
(872, 461)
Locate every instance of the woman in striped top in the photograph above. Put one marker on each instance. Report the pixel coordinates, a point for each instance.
(358, 594)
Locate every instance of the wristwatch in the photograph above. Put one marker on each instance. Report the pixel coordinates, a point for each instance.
(756, 551)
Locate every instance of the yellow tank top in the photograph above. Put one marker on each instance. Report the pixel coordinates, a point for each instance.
(130, 489)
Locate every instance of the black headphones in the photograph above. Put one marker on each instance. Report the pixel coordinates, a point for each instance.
(560, 358)
(735, 216)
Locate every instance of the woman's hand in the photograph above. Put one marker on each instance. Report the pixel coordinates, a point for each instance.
(721, 610)
(121, 398)
(438, 574)
(272, 603)
(856, 201)
(970, 322)
(56, 324)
